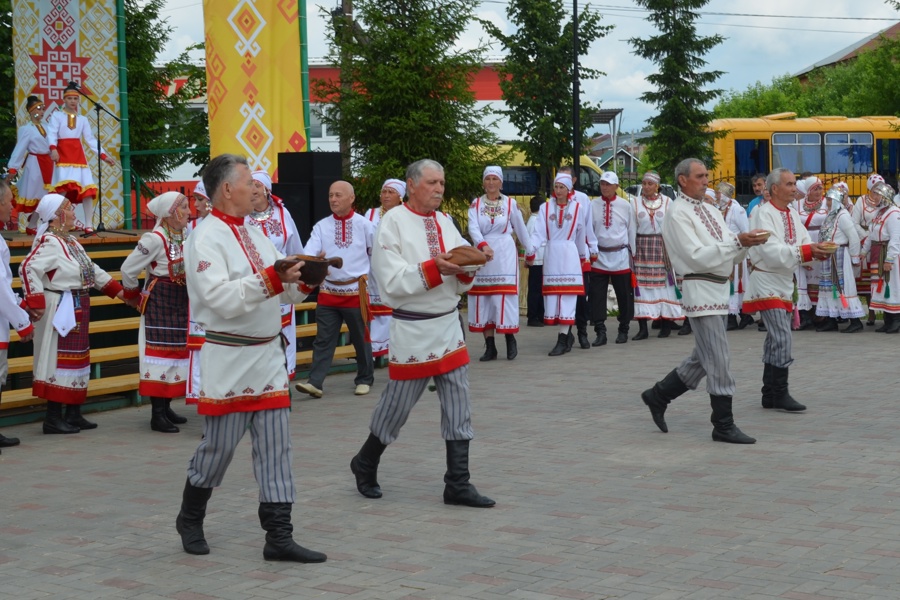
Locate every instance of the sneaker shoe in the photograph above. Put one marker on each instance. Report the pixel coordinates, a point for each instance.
(308, 388)
(362, 389)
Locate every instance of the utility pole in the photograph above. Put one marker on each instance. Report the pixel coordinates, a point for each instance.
(576, 101)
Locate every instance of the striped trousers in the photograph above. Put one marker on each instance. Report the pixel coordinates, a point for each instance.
(271, 439)
(399, 397)
(710, 357)
(777, 347)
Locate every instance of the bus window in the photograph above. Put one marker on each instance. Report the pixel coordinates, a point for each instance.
(520, 181)
(798, 152)
(750, 157)
(848, 153)
(888, 158)
(589, 182)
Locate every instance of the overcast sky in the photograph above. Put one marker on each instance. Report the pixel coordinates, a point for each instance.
(763, 39)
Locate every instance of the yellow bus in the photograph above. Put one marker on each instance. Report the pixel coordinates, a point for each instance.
(833, 148)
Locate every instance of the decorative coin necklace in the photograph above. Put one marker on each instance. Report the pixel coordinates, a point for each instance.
(175, 254)
(492, 208)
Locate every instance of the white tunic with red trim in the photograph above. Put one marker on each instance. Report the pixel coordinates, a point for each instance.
(738, 222)
(31, 157)
(614, 225)
(52, 264)
(282, 232)
(403, 262)
(563, 231)
(380, 327)
(808, 275)
(11, 313)
(774, 263)
(235, 295)
(885, 229)
(72, 176)
(703, 251)
(494, 297)
(164, 372)
(351, 238)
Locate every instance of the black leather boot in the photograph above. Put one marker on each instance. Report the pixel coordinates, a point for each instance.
(490, 350)
(365, 467)
(894, 327)
(512, 348)
(855, 326)
(768, 388)
(457, 489)
(642, 333)
(665, 328)
(6, 442)
(570, 340)
(827, 324)
(685, 327)
(782, 399)
(158, 420)
(54, 423)
(806, 320)
(660, 395)
(745, 320)
(622, 336)
(189, 522)
(600, 330)
(172, 416)
(74, 418)
(583, 342)
(275, 518)
(888, 319)
(732, 323)
(560, 348)
(724, 429)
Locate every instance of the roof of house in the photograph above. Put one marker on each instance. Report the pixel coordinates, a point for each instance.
(853, 50)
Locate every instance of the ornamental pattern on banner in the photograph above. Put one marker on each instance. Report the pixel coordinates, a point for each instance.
(58, 41)
(254, 91)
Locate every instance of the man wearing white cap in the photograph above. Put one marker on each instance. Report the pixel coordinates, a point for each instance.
(863, 213)
(163, 304)
(392, 193)
(349, 235)
(811, 208)
(615, 228)
(561, 227)
(270, 215)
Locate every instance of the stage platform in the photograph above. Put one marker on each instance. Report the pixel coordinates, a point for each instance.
(20, 242)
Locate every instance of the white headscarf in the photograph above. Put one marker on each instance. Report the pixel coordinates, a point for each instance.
(396, 185)
(46, 210)
(200, 190)
(492, 170)
(165, 205)
(263, 178)
(565, 179)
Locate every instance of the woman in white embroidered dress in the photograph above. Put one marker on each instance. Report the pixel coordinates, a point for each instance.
(561, 227)
(31, 156)
(494, 297)
(736, 218)
(270, 215)
(884, 245)
(811, 208)
(164, 309)
(57, 277)
(392, 192)
(196, 335)
(863, 213)
(837, 284)
(654, 296)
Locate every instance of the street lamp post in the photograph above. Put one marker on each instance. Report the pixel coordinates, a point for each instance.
(576, 100)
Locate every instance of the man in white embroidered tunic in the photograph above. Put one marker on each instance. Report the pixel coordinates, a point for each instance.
(235, 293)
(703, 251)
(416, 278)
(771, 287)
(342, 296)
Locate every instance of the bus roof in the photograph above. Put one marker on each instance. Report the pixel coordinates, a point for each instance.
(788, 122)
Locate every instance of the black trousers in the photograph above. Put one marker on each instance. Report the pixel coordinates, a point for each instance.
(582, 311)
(624, 296)
(535, 293)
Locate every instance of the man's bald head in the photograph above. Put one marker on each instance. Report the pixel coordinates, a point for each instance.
(341, 198)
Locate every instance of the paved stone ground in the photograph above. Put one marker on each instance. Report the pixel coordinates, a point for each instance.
(593, 501)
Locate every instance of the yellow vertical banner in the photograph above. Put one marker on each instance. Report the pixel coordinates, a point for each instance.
(58, 41)
(254, 91)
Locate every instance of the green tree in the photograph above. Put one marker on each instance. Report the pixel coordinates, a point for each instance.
(7, 83)
(158, 121)
(536, 78)
(760, 99)
(407, 94)
(680, 86)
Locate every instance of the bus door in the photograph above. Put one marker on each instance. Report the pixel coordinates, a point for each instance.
(887, 156)
(750, 157)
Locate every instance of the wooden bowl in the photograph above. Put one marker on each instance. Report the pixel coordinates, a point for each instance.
(828, 247)
(314, 268)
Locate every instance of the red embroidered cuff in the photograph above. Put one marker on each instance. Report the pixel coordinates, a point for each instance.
(431, 275)
(12, 172)
(806, 254)
(530, 257)
(36, 301)
(26, 331)
(466, 277)
(482, 245)
(132, 293)
(52, 147)
(305, 288)
(112, 288)
(273, 284)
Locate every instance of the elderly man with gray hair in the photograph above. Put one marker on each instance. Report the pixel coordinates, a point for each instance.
(411, 259)
(703, 251)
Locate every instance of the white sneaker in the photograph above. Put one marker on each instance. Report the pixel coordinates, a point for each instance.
(362, 389)
(308, 388)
